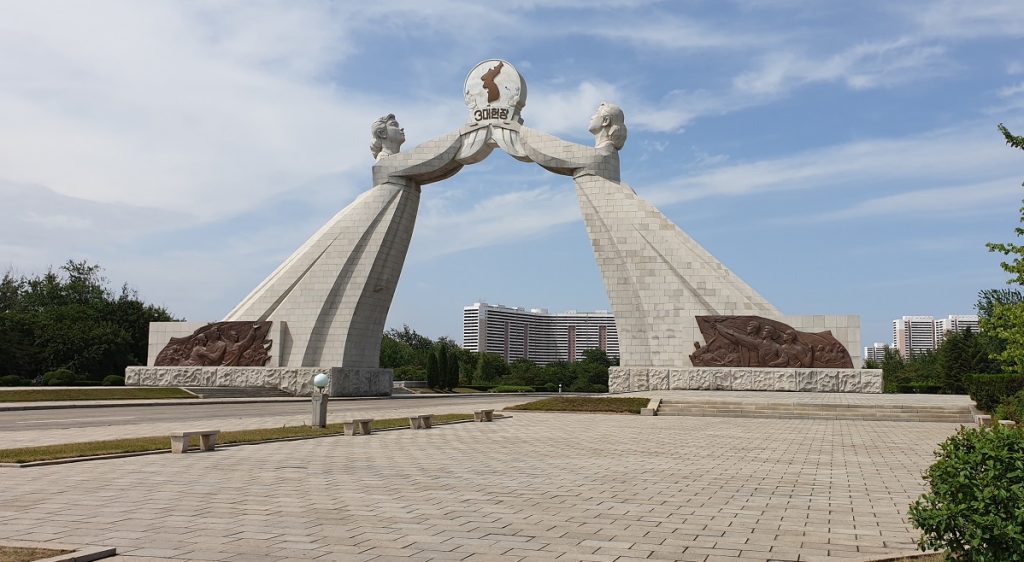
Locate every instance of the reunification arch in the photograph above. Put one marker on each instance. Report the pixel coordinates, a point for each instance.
(333, 294)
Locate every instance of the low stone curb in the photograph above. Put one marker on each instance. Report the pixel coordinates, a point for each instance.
(78, 554)
(52, 462)
(908, 557)
(19, 406)
(572, 412)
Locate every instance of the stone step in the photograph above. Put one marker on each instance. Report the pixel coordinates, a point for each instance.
(800, 404)
(238, 392)
(790, 410)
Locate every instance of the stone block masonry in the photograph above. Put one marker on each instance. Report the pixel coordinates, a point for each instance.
(640, 379)
(345, 381)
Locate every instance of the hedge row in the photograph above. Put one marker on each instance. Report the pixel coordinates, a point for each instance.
(988, 391)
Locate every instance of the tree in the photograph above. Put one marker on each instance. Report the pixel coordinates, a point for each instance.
(467, 365)
(524, 372)
(395, 353)
(432, 371)
(442, 366)
(491, 367)
(410, 337)
(1005, 318)
(893, 366)
(963, 353)
(70, 319)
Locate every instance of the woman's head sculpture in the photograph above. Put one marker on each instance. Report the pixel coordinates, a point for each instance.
(387, 136)
(608, 126)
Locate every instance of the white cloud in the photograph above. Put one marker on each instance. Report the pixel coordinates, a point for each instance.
(207, 110)
(558, 111)
(862, 66)
(968, 20)
(958, 200)
(443, 228)
(673, 32)
(969, 153)
(1010, 91)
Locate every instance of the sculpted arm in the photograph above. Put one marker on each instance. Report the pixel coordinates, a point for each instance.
(736, 337)
(429, 162)
(554, 154)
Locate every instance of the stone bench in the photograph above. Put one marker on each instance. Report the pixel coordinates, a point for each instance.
(207, 440)
(982, 420)
(1007, 423)
(483, 415)
(422, 421)
(357, 427)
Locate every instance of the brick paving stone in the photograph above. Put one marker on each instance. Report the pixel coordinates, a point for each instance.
(536, 487)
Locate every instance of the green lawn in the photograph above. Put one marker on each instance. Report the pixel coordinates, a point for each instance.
(158, 443)
(86, 393)
(585, 404)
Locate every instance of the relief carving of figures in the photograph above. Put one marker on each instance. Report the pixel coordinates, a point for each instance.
(228, 344)
(753, 341)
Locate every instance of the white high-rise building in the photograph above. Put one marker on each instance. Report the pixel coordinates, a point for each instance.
(875, 352)
(913, 334)
(917, 334)
(517, 333)
(955, 323)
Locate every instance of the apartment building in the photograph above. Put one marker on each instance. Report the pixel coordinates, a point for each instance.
(917, 334)
(535, 334)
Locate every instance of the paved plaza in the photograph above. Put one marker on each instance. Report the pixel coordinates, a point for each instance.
(539, 486)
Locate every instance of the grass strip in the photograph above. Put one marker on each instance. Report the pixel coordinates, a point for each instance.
(585, 404)
(119, 393)
(157, 443)
(20, 554)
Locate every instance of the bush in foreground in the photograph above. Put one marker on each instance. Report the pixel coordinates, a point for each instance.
(988, 391)
(975, 509)
(511, 388)
(60, 377)
(1011, 409)
(12, 380)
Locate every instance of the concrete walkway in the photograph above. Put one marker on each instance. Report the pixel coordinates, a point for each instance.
(812, 397)
(112, 424)
(535, 487)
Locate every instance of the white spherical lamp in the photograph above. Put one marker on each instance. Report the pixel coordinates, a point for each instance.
(320, 381)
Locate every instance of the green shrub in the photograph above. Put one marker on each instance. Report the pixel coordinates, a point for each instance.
(410, 373)
(113, 380)
(481, 387)
(511, 388)
(1011, 409)
(12, 380)
(988, 391)
(920, 388)
(60, 377)
(973, 509)
(577, 387)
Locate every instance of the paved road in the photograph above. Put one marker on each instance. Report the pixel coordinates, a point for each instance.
(39, 427)
(532, 488)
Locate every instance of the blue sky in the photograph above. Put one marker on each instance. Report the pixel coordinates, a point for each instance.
(839, 157)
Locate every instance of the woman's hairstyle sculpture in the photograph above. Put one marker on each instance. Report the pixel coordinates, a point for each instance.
(615, 123)
(378, 132)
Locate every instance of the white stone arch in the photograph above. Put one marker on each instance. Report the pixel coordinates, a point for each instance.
(333, 294)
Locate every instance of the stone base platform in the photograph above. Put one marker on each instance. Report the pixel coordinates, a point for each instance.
(345, 381)
(639, 379)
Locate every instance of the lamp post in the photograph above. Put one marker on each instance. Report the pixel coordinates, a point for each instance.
(320, 383)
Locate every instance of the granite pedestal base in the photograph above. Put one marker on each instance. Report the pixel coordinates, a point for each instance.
(637, 379)
(345, 381)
